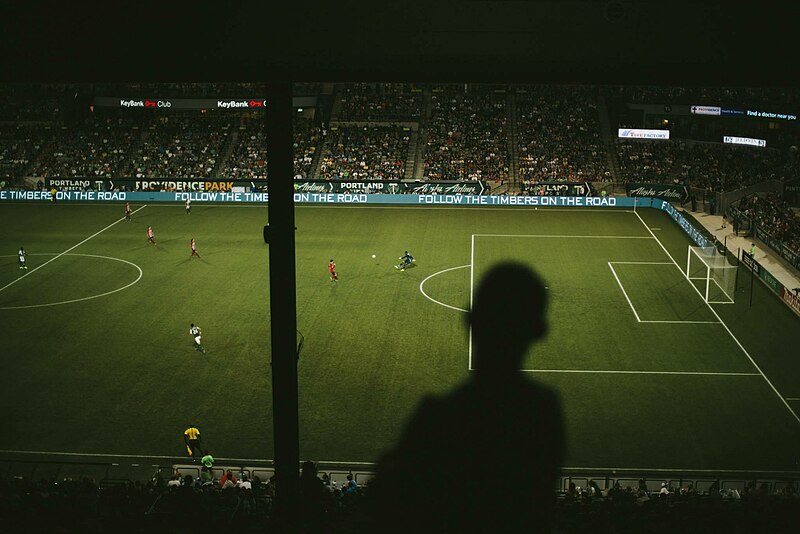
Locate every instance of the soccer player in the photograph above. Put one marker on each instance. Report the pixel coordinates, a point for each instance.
(192, 439)
(22, 255)
(193, 248)
(127, 211)
(405, 260)
(194, 331)
(188, 205)
(332, 270)
(151, 238)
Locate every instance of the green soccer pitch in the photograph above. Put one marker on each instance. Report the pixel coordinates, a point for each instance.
(96, 356)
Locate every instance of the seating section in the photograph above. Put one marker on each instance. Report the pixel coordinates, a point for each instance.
(559, 135)
(381, 102)
(467, 135)
(364, 153)
(180, 147)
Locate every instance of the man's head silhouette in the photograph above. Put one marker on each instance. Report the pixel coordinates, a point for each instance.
(508, 314)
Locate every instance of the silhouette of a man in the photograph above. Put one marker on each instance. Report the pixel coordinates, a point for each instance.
(484, 458)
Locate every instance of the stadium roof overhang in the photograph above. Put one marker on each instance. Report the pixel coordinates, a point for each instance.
(598, 41)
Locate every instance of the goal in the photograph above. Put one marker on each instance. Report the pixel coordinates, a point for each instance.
(711, 274)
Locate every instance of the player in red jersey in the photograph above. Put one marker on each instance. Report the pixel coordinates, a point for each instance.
(151, 238)
(128, 211)
(332, 270)
(193, 248)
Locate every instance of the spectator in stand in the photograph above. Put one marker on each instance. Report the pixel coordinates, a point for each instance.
(312, 495)
(244, 483)
(350, 486)
(228, 480)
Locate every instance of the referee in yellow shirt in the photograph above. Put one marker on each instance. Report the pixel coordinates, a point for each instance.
(192, 439)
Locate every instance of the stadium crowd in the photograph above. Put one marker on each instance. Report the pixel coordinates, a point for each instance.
(774, 216)
(97, 148)
(466, 137)
(19, 145)
(186, 504)
(381, 102)
(308, 137)
(703, 96)
(559, 135)
(648, 161)
(181, 147)
(727, 168)
(364, 153)
(248, 158)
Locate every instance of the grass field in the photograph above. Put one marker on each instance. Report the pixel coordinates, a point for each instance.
(649, 375)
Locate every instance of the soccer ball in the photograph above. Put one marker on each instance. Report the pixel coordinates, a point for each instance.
(373, 256)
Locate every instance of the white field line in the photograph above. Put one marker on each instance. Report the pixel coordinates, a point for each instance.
(69, 249)
(640, 262)
(471, 292)
(94, 455)
(372, 464)
(612, 372)
(566, 236)
(683, 322)
(778, 393)
(624, 292)
(792, 399)
(83, 298)
(422, 290)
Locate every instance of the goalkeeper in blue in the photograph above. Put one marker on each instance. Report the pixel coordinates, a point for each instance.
(406, 260)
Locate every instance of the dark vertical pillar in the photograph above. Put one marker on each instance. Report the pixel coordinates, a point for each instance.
(283, 304)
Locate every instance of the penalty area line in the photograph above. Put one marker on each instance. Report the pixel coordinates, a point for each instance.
(725, 326)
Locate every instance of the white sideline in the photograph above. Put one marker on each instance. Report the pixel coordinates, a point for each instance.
(641, 262)
(778, 393)
(372, 464)
(683, 322)
(160, 457)
(566, 236)
(69, 249)
(613, 372)
(471, 290)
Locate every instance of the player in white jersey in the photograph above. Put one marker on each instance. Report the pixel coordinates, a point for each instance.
(22, 254)
(194, 331)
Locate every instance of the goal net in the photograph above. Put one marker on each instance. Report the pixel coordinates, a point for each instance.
(711, 274)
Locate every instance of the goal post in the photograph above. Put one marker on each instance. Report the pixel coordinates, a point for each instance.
(711, 274)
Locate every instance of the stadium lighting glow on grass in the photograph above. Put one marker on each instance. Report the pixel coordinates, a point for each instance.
(676, 371)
